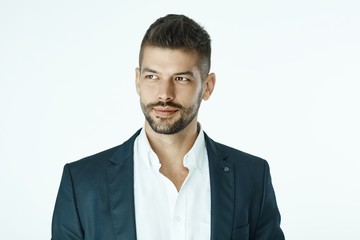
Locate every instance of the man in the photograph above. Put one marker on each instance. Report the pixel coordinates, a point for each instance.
(169, 180)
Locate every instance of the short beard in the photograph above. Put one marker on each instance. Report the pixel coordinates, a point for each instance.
(187, 115)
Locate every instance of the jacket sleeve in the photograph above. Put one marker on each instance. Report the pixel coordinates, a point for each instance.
(268, 225)
(66, 224)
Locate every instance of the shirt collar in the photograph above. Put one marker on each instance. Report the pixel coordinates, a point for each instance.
(193, 160)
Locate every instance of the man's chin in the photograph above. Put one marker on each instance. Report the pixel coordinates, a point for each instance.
(167, 126)
(164, 130)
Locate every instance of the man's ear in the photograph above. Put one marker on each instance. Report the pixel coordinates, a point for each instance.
(137, 80)
(209, 84)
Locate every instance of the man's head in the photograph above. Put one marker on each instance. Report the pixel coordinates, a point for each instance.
(173, 77)
(181, 33)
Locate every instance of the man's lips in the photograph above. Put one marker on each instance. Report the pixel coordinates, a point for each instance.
(164, 111)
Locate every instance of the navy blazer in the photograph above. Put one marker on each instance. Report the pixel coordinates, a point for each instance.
(96, 196)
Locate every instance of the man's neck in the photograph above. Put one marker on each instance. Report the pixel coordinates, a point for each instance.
(172, 147)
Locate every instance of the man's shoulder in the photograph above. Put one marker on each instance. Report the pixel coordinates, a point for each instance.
(235, 155)
(240, 153)
(97, 157)
(106, 157)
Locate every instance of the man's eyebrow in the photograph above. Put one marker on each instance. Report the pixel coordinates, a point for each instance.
(190, 73)
(185, 73)
(148, 70)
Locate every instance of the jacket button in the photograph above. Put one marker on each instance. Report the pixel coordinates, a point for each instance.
(226, 169)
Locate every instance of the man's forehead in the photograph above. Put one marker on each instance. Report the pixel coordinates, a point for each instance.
(155, 59)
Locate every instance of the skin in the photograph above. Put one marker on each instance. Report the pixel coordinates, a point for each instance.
(170, 88)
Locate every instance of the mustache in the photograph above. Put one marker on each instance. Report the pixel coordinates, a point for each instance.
(164, 104)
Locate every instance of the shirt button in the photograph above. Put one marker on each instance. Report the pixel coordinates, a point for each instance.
(178, 219)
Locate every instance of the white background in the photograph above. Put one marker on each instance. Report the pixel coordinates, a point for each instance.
(287, 90)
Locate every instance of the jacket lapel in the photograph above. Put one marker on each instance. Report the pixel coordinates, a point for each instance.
(222, 191)
(121, 191)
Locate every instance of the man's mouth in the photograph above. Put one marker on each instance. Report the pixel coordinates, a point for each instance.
(165, 111)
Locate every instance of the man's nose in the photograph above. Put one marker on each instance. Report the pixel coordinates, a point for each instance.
(166, 90)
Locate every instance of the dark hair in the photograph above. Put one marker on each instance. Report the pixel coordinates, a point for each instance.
(179, 32)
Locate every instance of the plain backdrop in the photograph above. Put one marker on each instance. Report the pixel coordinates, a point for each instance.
(287, 90)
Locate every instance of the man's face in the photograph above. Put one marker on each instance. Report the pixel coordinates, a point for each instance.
(170, 88)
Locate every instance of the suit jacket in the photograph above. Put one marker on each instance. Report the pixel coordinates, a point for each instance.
(96, 196)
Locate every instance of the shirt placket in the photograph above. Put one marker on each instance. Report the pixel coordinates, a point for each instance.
(179, 217)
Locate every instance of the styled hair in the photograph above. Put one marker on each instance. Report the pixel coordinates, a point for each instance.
(179, 32)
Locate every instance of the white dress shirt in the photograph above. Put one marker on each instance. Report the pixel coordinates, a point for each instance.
(163, 213)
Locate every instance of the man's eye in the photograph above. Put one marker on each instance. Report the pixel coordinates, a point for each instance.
(181, 79)
(151, 77)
